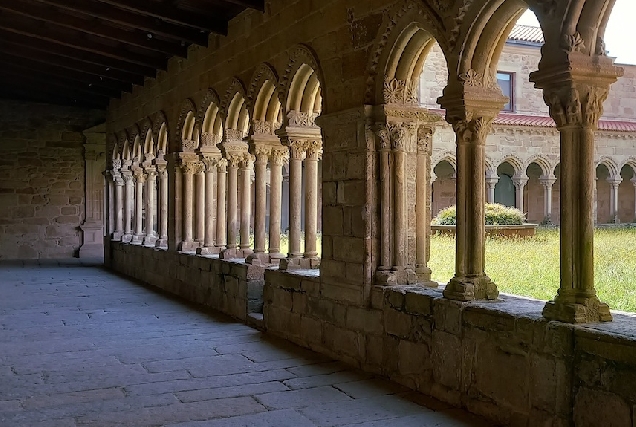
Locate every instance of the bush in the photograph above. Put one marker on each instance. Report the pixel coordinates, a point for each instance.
(496, 214)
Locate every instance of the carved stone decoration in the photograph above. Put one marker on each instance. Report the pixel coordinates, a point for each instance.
(314, 148)
(116, 164)
(233, 135)
(601, 49)
(425, 139)
(384, 138)
(473, 129)
(458, 20)
(279, 156)
(399, 134)
(263, 127)
(472, 78)
(209, 139)
(565, 105)
(593, 107)
(301, 119)
(398, 91)
(188, 145)
(573, 42)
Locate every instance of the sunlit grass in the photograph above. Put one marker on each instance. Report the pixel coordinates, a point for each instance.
(530, 267)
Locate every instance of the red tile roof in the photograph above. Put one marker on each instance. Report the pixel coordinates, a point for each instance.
(526, 33)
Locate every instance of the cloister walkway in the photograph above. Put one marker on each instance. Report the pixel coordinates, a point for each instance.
(82, 346)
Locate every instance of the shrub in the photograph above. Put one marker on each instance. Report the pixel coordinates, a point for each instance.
(496, 214)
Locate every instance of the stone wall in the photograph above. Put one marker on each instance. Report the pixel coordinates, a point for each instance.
(502, 360)
(42, 179)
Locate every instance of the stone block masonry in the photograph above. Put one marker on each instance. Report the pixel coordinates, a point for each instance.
(42, 179)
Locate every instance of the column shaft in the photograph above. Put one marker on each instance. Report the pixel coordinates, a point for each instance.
(200, 203)
(422, 215)
(188, 190)
(232, 207)
(311, 199)
(210, 207)
(246, 203)
(295, 195)
(119, 207)
(399, 206)
(275, 202)
(260, 207)
(221, 220)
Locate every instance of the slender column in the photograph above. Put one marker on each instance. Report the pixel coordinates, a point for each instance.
(297, 153)
(386, 243)
(422, 212)
(314, 149)
(128, 205)
(119, 206)
(163, 205)
(633, 180)
(575, 95)
(232, 202)
(519, 181)
(492, 178)
(140, 179)
(199, 203)
(260, 206)
(109, 194)
(221, 219)
(210, 207)
(278, 158)
(470, 281)
(151, 191)
(246, 165)
(547, 182)
(399, 196)
(187, 168)
(614, 182)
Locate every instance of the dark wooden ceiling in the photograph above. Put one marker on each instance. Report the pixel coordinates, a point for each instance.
(84, 52)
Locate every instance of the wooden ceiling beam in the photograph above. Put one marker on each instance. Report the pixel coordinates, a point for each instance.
(70, 51)
(93, 26)
(45, 97)
(17, 73)
(35, 86)
(9, 22)
(45, 58)
(133, 20)
(54, 71)
(172, 14)
(249, 4)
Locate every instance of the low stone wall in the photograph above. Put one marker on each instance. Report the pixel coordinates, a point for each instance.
(231, 287)
(501, 359)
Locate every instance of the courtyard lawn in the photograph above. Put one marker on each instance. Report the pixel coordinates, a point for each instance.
(530, 267)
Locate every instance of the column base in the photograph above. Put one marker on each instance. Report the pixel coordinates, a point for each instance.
(288, 264)
(259, 258)
(161, 243)
(188, 246)
(235, 253)
(396, 276)
(117, 236)
(150, 241)
(591, 310)
(137, 239)
(470, 288)
(424, 277)
(127, 238)
(209, 250)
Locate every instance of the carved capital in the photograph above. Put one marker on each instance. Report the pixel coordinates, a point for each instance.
(425, 139)
(297, 149)
(399, 135)
(246, 161)
(233, 159)
(398, 91)
(127, 177)
(188, 145)
(221, 165)
(209, 139)
(473, 130)
(209, 163)
(262, 153)
(383, 136)
(314, 149)
(569, 106)
(233, 135)
(116, 164)
(279, 156)
(301, 119)
(263, 127)
(188, 168)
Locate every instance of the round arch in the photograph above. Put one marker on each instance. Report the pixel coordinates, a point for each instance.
(234, 109)
(302, 87)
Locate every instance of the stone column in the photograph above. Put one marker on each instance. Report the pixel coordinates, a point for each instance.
(119, 205)
(260, 205)
(221, 204)
(547, 182)
(386, 241)
(614, 182)
(199, 203)
(422, 210)
(151, 203)
(313, 152)
(95, 162)
(279, 157)
(128, 205)
(187, 169)
(492, 178)
(633, 180)
(210, 207)
(296, 156)
(575, 90)
(162, 210)
(232, 207)
(519, 181)
(246, 166)
(140, 179)
(109, 198)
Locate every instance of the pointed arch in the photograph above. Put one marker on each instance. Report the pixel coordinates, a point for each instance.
(409, 31)
(545, 165)
(301, 88)
(235, 110)
(185, 134)
(610, 164)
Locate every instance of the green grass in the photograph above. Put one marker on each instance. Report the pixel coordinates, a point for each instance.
(530, 267)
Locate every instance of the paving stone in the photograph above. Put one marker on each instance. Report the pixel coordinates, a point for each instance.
(82, 347)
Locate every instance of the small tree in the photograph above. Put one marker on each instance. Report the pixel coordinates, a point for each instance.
(496, 214)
